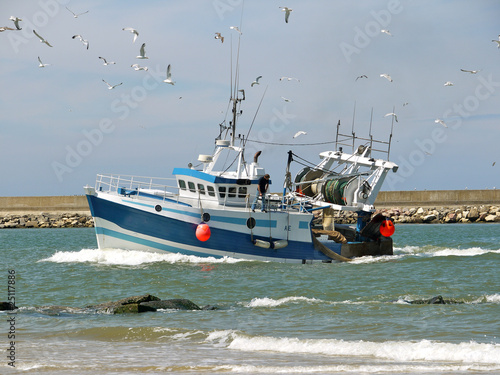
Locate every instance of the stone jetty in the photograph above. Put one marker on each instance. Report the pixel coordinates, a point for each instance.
(400, 215)
(429, 215)
(46, 220)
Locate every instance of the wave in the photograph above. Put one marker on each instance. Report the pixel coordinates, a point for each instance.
(401, 351)
(269, 302)
(121, 257)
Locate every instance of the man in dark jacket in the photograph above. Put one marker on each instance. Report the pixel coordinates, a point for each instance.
(262, 187)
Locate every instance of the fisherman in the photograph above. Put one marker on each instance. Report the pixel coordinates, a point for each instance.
(262, 187)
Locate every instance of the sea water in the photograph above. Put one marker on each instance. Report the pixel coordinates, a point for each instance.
(336, 318)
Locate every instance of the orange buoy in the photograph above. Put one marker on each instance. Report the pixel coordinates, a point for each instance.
(387, 228)
(203, 232)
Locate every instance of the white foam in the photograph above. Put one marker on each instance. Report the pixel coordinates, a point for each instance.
(376, 259)
(401, 351)
(269, 302)
(473, 251)
(129, 257)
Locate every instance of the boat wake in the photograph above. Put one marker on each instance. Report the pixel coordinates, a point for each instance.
(119, 257)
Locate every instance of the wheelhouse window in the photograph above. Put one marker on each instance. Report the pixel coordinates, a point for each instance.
(182, 184)
(192, 189)
(232, 192)
(211, 191)
(222, 191)
(201, 189)
(242, 192)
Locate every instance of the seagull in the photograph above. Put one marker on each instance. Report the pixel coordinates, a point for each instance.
(219, 36)
(235, 28)
(169, 77)
(448, 83)
(137, 67)
(363, 76)
(386, 32)
(85, 42)
(256, 82)
(289, 79)
(496, 41)
(493, 164)
(300, 132)
(384, 75)
(405, 104)
(76, 15)
(142, 52)
(392, 114)
(3, 28)
(42, 65)
(470, 71)
(111, 87)
(16, 21)
(106, 61)
(287, 12)
(285, 99)
(439, 121)
(41, 39)
(133, 31)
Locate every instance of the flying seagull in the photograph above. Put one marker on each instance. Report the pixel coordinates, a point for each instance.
(289, 79)
(392, 114)
(42, 65)
(74, 14)
(384, 75)
(3, 28)
(16, 21)
(133, 31)
(287, 12)
(256, 82)
(142, 52)
(470, 71)
(137, 67)
(106, 61)
(439, 121)
(41, 39)
(169, 77)
(111, 87)
(386, 32)
(496, 41)
(448, 83)
(85, 42)
(285, 99)
(363, 76)
(235, 28)
(219, 36)
(300, 132)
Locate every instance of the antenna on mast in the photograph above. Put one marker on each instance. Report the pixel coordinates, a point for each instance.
(352, 130)
(390, 135)
(370, 133)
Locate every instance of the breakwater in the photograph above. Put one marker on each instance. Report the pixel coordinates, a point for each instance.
(433, 206)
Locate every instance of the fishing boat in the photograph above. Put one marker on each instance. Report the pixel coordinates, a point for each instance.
(207, 210)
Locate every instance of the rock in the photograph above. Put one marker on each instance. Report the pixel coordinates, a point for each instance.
(420, 211)
(177, 304)
(438, 300)
(492, 218)
(126, 305)
(6, 306)
(429, 218)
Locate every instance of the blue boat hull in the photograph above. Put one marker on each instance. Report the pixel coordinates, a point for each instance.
(122, 226)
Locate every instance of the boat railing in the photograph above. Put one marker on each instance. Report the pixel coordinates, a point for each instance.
(137, 185)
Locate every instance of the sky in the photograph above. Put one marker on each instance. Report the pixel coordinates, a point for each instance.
(61, 125)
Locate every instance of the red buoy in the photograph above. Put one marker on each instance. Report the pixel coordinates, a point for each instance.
(203, 232)
(387, 228)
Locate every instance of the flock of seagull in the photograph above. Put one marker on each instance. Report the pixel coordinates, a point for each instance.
(218, 35)
(142, 50)
(447, 83)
